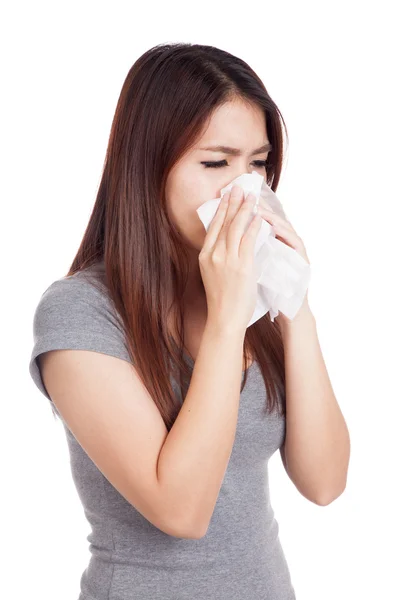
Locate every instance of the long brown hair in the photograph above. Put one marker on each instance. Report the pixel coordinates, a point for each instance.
(167, 98)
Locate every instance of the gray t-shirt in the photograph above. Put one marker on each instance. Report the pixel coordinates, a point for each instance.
(240, 557)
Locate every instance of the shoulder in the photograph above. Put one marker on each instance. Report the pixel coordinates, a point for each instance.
(76, 313)
(74, 302)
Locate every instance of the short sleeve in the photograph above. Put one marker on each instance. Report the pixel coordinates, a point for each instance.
(73, 314)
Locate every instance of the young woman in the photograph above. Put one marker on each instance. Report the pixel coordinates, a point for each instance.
(171, 406)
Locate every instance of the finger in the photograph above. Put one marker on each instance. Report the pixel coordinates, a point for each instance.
(268, 207)
(216, 223)
(239, 224)
(273, 218)
(288, 237)
(235, 201)
(247, 244)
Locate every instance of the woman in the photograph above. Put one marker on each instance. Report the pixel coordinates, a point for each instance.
(171, 406)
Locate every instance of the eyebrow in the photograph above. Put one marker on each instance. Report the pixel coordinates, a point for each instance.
(236, 151)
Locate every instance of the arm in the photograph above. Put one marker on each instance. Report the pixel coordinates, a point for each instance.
(195, 455)
(317, 445)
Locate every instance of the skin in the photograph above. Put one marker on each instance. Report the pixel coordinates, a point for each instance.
(190, 183)
(317, 445)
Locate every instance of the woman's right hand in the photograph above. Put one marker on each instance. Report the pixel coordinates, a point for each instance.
(226, 261)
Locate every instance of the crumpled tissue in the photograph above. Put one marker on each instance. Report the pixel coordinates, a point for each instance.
(283, 275)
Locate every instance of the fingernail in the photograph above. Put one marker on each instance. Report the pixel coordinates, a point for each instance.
(236, 191)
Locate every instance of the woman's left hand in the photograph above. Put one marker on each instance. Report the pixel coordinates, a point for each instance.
(284, 231)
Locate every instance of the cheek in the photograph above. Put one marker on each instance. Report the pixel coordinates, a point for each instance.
(189, 225)
(182, 212)
(188, 189)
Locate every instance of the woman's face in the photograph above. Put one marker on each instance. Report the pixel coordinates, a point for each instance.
(191, 182)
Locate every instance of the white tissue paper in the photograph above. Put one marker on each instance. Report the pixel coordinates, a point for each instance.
(283, 275)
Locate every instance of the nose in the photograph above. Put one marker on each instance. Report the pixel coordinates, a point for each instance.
(242, 169)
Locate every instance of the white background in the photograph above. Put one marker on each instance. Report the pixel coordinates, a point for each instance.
(333, 70)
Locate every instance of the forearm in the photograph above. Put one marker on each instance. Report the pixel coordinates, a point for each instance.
(317, 444)
(195, 455)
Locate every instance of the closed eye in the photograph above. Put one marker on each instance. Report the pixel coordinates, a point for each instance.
(223, 163)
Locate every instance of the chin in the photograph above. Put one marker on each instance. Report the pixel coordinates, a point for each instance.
(194, 244)
(195, 247)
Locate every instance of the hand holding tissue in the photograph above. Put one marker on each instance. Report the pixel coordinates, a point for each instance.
(284, 275)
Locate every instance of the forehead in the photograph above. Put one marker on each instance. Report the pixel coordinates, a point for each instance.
(235, 124)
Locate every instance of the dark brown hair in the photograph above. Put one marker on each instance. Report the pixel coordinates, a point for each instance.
(167, 98)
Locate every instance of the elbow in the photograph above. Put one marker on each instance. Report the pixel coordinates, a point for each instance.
(197, 532)
(328, 498)
(187, 534)
(198, 536)
(192, 524)
(184, 531)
